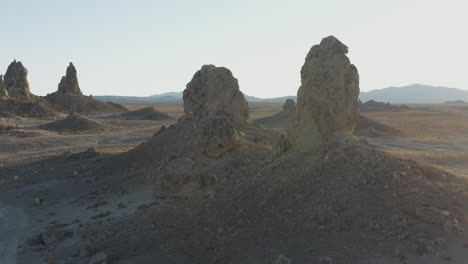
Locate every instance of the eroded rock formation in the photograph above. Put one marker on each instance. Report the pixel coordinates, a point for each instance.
(327, 101)
(69, 83)
(214, 91)
(214, 106)
(215, 124)
(16, 80)
(289, 106)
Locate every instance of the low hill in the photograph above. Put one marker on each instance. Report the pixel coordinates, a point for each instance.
(74, 123)
(82, 104)
(147, 113)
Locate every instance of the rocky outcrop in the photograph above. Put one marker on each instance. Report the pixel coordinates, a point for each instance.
(16, 80)
(289, 106)
(327, 101)
(3, 91)
(214, 91)
(69, 83)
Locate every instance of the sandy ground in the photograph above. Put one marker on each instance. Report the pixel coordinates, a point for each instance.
(435, 135)
(57, 189)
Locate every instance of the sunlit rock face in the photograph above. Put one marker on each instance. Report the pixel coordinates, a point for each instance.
(328, 99)
(16, 80)
(69, 83)
(3, 91)
(214, 91)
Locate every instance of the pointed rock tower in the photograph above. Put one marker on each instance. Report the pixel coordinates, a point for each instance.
(69, 83)
(328, 99)
(16, 80)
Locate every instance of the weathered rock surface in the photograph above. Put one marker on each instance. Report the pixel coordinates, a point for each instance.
(327, 102)
(214, 106)
(3, 91)
(69, 83)
(214, 91)
(16, 80)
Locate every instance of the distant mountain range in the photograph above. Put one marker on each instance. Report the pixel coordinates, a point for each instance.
(415, 93)
(175, 98)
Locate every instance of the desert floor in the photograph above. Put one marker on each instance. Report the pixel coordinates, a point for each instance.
(50, 193)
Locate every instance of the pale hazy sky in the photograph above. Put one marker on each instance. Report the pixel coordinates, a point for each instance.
(144, 47)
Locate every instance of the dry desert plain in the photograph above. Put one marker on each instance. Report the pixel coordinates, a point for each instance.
(42, 192)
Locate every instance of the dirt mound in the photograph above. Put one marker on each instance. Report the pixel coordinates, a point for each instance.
(32, 106)
(368, 127)
(354, 197)
(147, 113)
(373, 106)
(74, 123)
(82, 104)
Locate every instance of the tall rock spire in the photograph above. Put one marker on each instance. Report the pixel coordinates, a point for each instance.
(328, 99)
(69, 83)
(16, 80)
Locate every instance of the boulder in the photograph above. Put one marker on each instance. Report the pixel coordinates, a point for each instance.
(214, 91)
(16, 80)
(69, 83)
(327, 100)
